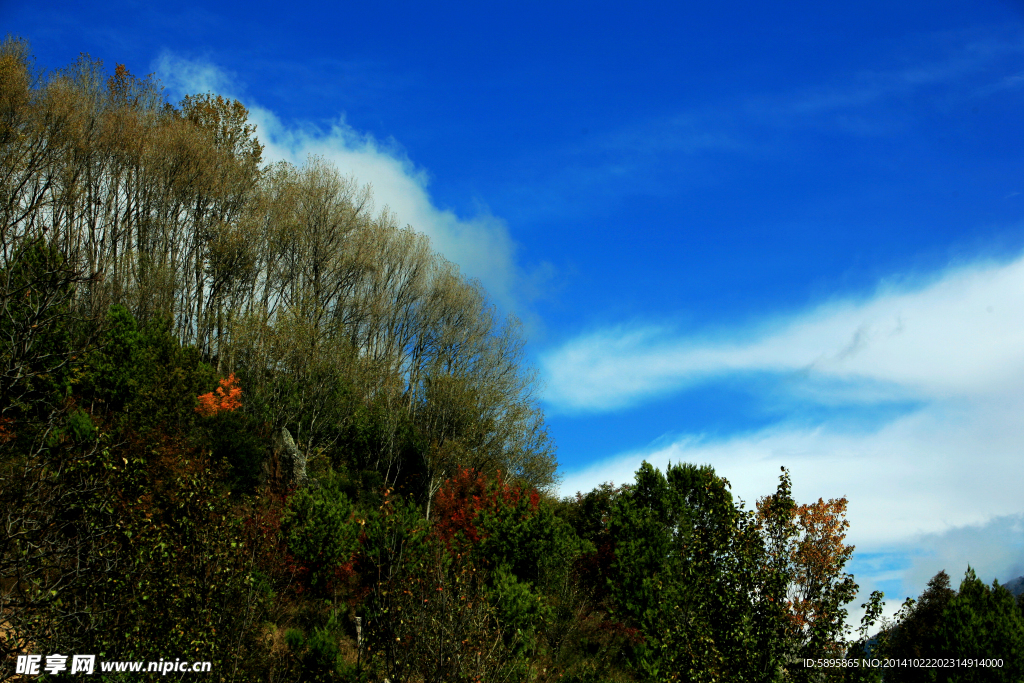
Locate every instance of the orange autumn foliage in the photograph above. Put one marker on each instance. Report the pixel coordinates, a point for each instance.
(228, 397)
(820, 557)
(808, 543)
(5, 432)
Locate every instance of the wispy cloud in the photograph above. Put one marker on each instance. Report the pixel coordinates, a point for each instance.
(655, 155)
(950, 68)
(1012, 82)
(960, 335)
(481, 244)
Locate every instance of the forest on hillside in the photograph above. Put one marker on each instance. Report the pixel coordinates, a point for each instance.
(247, 419)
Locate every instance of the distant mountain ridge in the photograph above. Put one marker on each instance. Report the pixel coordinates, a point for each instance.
(1015, 586)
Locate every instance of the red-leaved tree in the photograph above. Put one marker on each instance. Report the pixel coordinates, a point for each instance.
(462, 498)
(227, 398)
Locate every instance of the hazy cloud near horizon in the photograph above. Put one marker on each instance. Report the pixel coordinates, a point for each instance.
(481, 245)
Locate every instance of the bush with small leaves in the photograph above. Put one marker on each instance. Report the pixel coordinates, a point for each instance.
(321, 530)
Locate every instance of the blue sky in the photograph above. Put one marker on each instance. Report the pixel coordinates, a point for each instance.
(740, 234)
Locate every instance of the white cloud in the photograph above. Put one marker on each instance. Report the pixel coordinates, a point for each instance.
(961, 335)
(939, 485)
(192, 76)
(480, 245)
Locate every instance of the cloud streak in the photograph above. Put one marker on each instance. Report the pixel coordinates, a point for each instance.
(958, 336)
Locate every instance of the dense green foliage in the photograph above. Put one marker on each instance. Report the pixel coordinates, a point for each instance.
(685, 573)
(975, 625)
